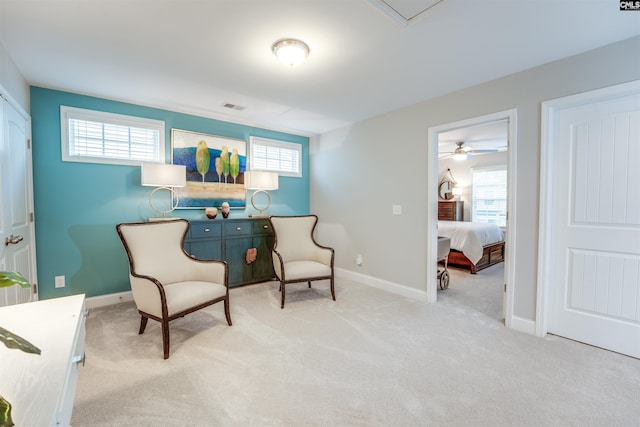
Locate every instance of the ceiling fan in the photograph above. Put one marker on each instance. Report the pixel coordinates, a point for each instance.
(463, 152)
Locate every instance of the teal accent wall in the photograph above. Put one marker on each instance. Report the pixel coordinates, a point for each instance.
(77, 205)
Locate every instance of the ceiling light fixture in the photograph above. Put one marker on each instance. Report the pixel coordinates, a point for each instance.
(291, 52)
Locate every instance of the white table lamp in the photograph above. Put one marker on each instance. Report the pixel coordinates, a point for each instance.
(457, 192)
(261, 181)
(163, 177)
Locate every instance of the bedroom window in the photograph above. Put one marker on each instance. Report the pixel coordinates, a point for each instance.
(285, 158)
(489, 195)
(97, 137)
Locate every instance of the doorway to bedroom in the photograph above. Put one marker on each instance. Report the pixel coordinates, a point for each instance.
(471, 203)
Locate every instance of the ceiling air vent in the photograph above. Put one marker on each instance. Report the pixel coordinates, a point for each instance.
(234, 106)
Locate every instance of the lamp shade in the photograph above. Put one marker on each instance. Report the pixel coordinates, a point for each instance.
(457, 191)
(260, 180)
(163, 175)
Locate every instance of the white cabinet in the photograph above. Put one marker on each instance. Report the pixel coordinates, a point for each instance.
(41, 388)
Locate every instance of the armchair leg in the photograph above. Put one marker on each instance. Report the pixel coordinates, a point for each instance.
(143, 324)
(309, 282)
(165, 337)
(333, 292)
(281, 295)
(227, 312)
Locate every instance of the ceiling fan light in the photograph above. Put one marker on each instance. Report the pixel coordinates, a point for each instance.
(460, 156)
(291, 52)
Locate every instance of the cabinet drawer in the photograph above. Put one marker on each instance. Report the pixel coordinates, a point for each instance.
(237, 228)
(200, 230)
(262, 226)
(496, 255)
(205, 249)
(65, 404)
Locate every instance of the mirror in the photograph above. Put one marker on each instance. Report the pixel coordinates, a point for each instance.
(446, 190)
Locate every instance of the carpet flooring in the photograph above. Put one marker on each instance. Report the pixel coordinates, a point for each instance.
(371, 358)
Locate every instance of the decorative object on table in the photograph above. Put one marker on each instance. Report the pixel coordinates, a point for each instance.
(211, 212)
(457, 192)
(163, 177)
(215, 167)
(251, 255)
(446, 186)
(225, 209)
(13, 341)
(261, 181)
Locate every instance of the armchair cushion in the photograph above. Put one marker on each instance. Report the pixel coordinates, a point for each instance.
(296, 270)
(180, 296)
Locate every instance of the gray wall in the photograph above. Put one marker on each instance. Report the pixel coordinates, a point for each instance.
(12, 81)
(359, 171)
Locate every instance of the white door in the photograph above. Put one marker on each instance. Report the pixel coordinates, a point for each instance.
(594, 220)
(17, 248)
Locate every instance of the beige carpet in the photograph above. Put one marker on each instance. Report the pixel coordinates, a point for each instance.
(369, 359)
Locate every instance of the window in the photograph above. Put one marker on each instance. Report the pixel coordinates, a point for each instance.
(275, 156)
(489, 195)
(99, 137)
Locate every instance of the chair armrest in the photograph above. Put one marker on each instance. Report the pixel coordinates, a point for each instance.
(324, 255)
(206, 270)
(278, 263)
(148, 293)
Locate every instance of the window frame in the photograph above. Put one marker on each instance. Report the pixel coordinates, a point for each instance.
(73, 113)
(495, 168)
(280, 145)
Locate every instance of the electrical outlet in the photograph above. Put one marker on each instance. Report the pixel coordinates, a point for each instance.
(359, 259)
(396, 209)
(60, 282)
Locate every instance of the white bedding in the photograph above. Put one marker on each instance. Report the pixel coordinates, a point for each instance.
(470, 237)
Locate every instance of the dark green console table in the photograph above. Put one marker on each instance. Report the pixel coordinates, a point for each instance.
(229, 240)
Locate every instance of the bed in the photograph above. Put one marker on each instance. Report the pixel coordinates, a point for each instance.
(473, 244)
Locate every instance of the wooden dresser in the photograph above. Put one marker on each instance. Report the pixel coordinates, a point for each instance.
(451, 210)
(41, 388)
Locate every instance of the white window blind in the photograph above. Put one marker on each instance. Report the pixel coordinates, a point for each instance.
(99, 137)
(489, 195)
(285, 158)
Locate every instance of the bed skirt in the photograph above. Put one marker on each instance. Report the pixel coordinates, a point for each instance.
(491, 254)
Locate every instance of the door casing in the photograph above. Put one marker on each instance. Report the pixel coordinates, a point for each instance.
(432, 204)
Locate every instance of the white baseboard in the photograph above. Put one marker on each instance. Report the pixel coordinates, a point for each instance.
(523, 325)
(384, 285)
(110, 299)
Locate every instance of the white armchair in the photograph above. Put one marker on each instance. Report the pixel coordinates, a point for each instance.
(165, 281)
(297, 257)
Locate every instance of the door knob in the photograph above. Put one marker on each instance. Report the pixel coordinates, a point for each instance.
(12, 240)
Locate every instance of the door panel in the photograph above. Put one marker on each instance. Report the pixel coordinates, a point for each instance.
(16, 196)
(595, 220)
